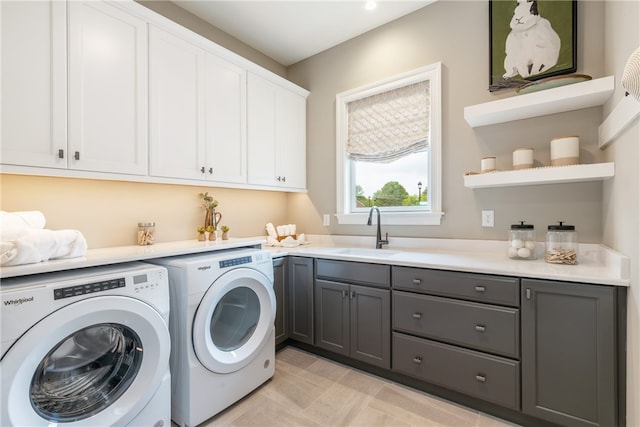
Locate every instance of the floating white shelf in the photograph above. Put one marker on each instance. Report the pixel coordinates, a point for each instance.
(557, 100)
(543, 175)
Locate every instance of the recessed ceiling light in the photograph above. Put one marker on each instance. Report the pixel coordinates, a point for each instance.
(370, 5)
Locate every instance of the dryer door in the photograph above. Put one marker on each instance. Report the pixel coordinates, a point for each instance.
(234, 320)
(97, 361)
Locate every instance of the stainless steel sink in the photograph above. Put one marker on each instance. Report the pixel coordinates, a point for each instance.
(361, 252)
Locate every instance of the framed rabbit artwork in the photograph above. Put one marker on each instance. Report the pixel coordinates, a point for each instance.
(530, 40)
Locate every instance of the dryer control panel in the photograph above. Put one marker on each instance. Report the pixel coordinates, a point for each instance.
(234, 262)
(89, 288)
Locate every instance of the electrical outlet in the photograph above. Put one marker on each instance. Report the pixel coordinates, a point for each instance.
(326, 220)
(487, 218)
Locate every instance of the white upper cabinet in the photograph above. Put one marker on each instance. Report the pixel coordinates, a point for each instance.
(34, 83)
(107, 89)
(106, 96)
(197, 112)
(276, 135)
(176, 107)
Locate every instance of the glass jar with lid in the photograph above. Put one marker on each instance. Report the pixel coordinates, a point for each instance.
(561, 245)
(146, 233)
(522, 241)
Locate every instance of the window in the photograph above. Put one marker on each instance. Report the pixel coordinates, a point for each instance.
(388, 149)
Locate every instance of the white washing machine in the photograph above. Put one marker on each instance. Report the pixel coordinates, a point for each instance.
(86, 347)
(222, 328)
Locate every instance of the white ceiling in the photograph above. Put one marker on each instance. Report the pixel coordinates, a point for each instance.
(289, 31)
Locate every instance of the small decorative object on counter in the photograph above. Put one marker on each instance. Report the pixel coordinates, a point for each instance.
(211, 231)
(201, 236)
(562, 244)
(225, 232)
(565, 151)
(146, 233)
(523, 158)
(487, 164)
(522, 241)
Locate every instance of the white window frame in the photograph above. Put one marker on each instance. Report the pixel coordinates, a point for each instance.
(433, 216)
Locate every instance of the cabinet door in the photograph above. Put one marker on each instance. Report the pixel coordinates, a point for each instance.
(261, 131)
(332, 316)
(280, 288)
(226, 121)
(370, 325)
(300, 277)
(568, 353)
(34, 83)
(176, 94)
(291, 154)
(107, 89)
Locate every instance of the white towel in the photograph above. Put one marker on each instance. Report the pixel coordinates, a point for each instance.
(42, 245)
(25, 241)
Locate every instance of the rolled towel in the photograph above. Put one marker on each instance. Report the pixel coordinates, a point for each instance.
(16, 224)
(42, 245)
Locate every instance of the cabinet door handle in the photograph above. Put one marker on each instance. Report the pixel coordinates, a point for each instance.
(481, 328)
(528, 293)
(61, 153)
(353, 294)
(481, 378)
(202, 169)
(480, 288)
(76, 155)
(284, 178)
(416, 281)
(211, 171)
(417, 315)
(345, 294)
(417, 360)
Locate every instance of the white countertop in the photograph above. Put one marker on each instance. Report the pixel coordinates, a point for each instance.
(597, 264)
(121, 254)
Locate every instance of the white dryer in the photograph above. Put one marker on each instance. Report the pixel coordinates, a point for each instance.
(222, 328)
(86, 347)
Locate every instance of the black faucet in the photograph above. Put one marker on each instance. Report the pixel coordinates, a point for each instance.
(379, 241)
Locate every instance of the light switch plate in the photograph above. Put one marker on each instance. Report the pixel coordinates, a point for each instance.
(487, 218)
(326, 220)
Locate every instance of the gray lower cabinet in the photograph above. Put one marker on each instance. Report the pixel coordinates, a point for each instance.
(569, 353)
(354, 320)
(280, 288)
(458, 330)
(300, 281)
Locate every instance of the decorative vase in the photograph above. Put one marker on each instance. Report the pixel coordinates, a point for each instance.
(225, 235)
(201, 237)
(212, 235)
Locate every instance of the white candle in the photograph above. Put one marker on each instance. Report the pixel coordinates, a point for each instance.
(487, 164)
(523, 158)
(565, 150)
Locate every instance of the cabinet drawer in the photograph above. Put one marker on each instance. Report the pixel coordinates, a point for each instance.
(480, 326)
(474, 287)
(359, 273)
(487, 377)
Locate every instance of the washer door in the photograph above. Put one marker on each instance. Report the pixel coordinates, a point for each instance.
(94, 362)
(234, 320)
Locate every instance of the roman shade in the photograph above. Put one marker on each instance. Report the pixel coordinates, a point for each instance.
(389, 125)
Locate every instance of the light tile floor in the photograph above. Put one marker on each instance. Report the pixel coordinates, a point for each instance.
(308, 390)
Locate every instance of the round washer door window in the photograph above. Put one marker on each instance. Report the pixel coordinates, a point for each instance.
(234, 320)
(86, 372)
(97, 361)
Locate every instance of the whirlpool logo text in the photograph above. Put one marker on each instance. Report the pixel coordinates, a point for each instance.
(18, 301)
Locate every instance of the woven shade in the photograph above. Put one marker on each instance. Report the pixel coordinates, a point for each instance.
(389, 125)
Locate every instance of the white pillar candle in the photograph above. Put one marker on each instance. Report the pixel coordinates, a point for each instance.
(523, 158)
(565, 150)
(487, 164)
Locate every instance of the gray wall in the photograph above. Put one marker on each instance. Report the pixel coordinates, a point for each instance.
(455, 33)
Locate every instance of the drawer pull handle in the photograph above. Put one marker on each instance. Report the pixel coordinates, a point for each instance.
(345, 294)
(481, 378)
(417, 315)
(480, 289)
(416, 281)
(417, 360)
(481, 328)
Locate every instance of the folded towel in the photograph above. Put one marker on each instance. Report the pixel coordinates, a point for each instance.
(38, 245)
(15, 224)
(288, 242)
